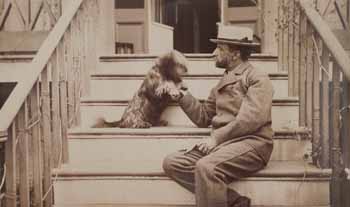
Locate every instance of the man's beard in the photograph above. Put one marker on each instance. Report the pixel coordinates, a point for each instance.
(221, 64)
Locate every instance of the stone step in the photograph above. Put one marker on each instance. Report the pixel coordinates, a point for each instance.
(288, 183)
(197, 64)
(285, 114)
(124, 86)
(114, 148)
(158, 205)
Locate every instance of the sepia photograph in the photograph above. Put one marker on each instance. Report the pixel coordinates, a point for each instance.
(174, 103)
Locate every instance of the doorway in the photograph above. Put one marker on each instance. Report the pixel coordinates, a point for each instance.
(194, 23)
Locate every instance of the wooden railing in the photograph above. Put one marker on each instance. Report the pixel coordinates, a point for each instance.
(36, 116)
(319, 72)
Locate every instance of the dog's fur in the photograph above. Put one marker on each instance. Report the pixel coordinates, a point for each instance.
(147, 105)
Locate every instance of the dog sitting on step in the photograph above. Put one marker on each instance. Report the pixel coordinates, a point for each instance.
(148, 103)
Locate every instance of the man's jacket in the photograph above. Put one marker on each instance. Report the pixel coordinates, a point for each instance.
(238, 109)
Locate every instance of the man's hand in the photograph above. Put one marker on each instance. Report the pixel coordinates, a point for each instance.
(206, 145)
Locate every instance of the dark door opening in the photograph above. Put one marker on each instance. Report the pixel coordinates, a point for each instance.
(194, 23)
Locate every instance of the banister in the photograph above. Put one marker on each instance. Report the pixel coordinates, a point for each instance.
(23, 88)
(327, 36)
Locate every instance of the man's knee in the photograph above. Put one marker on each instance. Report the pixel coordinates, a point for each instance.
(204, 166)
(168, 164)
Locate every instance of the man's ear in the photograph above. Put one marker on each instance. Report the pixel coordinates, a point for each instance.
(236, 55)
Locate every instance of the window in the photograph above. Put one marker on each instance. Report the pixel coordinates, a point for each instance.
(241, 3)
(129, 4)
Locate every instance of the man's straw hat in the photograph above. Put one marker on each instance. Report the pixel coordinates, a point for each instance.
(234, 35)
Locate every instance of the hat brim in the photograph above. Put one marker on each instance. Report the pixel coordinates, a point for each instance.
(233, 42)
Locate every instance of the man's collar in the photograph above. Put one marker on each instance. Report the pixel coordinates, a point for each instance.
(238, 70)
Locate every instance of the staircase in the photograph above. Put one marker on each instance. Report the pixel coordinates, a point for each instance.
(123, 167)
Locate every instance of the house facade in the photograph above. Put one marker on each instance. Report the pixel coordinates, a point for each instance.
(153, 26)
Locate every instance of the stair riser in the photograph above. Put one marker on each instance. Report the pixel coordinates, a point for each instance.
(148, 153)
(283, 116)
(203, 66)
(163, 191)
(124, 89)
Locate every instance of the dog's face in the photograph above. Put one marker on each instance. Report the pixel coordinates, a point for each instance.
(172, 66)
(181, 71)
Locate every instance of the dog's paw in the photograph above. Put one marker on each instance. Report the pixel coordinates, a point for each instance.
(143, 125)
(168, 88)
(182, 86)
(163, 123)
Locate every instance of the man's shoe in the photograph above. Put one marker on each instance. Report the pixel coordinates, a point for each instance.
(242, 202)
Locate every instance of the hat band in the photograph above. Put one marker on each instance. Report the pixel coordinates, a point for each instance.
(244, 40)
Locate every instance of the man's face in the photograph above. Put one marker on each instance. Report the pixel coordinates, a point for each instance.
(224, 55)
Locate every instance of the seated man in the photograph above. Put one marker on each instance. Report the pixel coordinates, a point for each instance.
(239, 111)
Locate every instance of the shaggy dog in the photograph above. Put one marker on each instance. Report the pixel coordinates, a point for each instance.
(148, 103)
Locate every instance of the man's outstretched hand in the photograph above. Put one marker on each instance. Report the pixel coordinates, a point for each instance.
(206, 145)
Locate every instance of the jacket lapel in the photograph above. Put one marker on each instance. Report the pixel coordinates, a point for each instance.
(226, 80)
(233, 76)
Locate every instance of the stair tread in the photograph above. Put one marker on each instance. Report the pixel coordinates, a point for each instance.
(172, 130)
(110, 74)
(275, 101)
(274, 169)
(187, 55)
(161, 205)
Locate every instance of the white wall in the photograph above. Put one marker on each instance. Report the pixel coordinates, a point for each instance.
(161, 38)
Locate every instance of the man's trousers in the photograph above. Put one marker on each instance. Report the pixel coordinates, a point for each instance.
(208, 176)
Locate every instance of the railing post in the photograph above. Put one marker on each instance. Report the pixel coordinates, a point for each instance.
(337, 168)
(297, 45)
(303, 69)
(84, 18)
(63, 97)
(46, 131)
(94, 43)
(347, 145)
(79, 74)
(23, 151)
(76, 71)
(280, 35)
(291, 47)
(11, 165)
(285, 25)
(345, 114)
(309, 76)
(316, 142)
(55, 101)
(70, 75)
(325, 133)
(269, 26)
(36, 145)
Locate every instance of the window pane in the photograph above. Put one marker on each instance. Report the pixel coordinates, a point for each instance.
(129, 4)
(241, 3)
